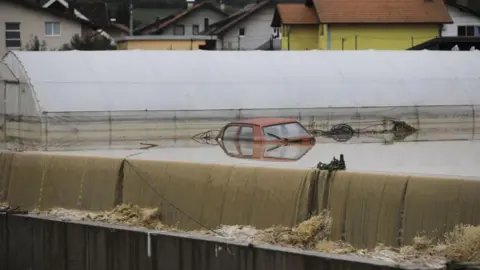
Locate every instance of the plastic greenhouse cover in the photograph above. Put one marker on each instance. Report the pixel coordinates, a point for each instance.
(6, 74)
(200, 80)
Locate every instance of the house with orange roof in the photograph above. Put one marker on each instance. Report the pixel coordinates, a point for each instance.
(359, 24)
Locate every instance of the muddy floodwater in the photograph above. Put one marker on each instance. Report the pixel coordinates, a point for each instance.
(448, 158)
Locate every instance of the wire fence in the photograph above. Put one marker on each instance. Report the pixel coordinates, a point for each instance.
(80, 130)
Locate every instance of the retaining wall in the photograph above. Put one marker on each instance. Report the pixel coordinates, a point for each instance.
(366, 208)
(35, 242)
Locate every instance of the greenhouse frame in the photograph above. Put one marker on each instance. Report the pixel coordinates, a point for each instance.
(59, 99)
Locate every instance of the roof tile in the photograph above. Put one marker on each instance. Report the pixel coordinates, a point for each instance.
(382, 11)
(297, 13)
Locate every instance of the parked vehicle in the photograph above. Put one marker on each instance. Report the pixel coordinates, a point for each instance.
(269, 130)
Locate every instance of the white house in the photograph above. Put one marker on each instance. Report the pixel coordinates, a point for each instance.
(21, 21)
(466, 22)
(248, 29)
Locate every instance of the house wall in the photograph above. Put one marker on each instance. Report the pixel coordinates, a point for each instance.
(459, 18)
(302, 37)
(380, 36)
(160, 44)
(33, 23)
(257, 31)
(197, 18)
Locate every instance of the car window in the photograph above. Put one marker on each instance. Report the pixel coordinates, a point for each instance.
(230, 133)
(246, 148)
(288, 130)
(246, 134)
(230, 147)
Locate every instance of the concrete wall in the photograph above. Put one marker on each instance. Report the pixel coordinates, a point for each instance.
(33, 23)
(360, 37)
(257, 31)
(302, 37)
(161, 44)
(379, 37)
(33, 242)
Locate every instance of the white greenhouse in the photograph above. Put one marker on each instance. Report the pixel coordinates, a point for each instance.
(64, 98)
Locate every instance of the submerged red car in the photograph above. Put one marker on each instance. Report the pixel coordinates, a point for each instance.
(271, 130)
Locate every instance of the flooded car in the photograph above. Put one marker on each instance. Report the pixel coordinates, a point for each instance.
(266, 130)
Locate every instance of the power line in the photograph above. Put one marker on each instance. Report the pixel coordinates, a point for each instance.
(167, 201)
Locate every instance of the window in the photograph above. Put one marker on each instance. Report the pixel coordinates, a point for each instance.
(289, 130)
(230, 133)
(241, 31)
(52, 29)
(195, 29)
(205, 24)
(179, 30)
(246, 134)
(246, 148)
(230, 147)
(12, 35)
(468, 30)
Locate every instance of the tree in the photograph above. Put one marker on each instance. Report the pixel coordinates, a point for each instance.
(35, 45)
(89, 43)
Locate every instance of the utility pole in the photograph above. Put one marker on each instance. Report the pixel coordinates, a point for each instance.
(131, 18)
(288, 37)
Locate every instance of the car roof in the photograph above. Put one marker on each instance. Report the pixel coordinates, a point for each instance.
(265, 121)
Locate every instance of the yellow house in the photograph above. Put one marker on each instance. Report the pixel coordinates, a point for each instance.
(359, 25)
(164, 42)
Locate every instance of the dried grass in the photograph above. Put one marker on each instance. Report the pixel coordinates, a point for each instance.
(463, 244)
(124, 214)
(306, 235)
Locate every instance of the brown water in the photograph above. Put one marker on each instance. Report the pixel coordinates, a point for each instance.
(450, 158)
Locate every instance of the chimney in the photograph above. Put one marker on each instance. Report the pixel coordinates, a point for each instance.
(71, 6)
(222, 5)
(190, 3)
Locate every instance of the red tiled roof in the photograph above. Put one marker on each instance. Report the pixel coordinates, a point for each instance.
(382, 11)
(297, 13)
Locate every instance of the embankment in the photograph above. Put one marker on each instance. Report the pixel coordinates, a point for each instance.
(366, 208)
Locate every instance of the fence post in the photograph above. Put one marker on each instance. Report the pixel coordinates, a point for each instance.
(110, 129)
(474, 122)
(45, 116)
(417, 112)
(5, 114)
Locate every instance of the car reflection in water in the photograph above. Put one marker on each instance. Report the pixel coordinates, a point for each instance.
(264, 151)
